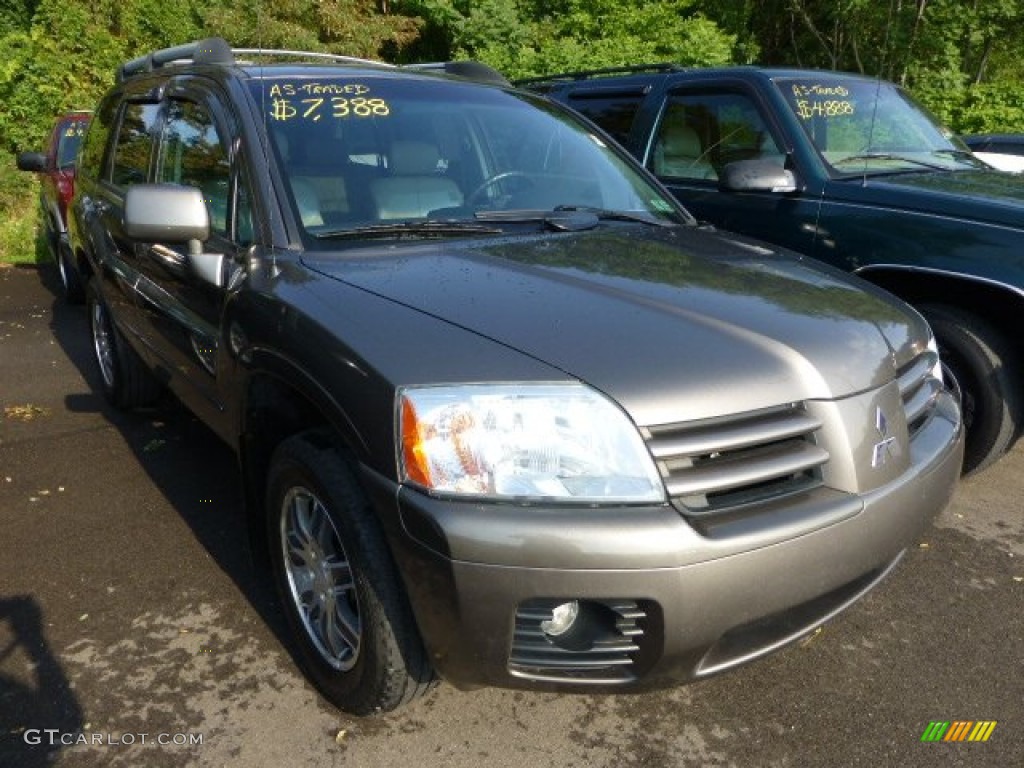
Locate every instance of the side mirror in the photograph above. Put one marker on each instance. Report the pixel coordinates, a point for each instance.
(165, 213)
(168, 213)
(757, 176)
(31, 161)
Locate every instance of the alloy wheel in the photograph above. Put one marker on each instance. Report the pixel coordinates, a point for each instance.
(321, 583)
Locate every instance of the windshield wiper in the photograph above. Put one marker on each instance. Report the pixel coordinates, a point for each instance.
(888, 156)
(606, 214)
(960, 154)
(412, 229)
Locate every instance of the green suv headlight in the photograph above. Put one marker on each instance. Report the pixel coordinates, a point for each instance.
(551, 442)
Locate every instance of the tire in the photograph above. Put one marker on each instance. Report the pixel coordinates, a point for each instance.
(348, 612)
(985, 369)
(125, 380)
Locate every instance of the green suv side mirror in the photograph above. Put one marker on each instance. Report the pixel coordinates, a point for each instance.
(757, 176)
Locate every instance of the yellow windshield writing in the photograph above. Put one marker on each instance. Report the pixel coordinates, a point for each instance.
(278, 90)
(315, 101)
(818, 100)
(808, 108)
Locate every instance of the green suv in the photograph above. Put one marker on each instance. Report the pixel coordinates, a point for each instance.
(504, 414)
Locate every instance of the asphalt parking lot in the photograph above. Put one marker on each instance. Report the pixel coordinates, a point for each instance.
(134, 631)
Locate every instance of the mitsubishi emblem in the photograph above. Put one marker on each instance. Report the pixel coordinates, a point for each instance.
(882, 451)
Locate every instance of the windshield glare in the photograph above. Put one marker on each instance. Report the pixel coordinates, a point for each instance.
(861, 126)
(361, 151)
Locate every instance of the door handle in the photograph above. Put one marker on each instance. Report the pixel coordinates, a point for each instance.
(168, 257)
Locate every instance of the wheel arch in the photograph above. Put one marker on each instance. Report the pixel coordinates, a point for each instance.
(998, 303)
(82, 263)
(973, 319)
(281, 400)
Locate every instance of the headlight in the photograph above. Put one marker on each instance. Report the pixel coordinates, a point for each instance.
(561, 442)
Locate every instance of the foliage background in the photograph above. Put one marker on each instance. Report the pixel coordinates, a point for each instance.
(958, 57)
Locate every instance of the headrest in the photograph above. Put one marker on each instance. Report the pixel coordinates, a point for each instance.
(681, 140)
(413, 158)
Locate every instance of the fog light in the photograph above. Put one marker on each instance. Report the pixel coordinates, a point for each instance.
(562, 619)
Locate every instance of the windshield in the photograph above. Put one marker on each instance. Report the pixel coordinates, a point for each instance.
(861, 126)
(389, 153)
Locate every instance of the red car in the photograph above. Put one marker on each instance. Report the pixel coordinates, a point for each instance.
(56, 169)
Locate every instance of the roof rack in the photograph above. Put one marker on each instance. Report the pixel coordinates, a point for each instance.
(216, 50)
(469, 69)
(309, 55)
(589, 73)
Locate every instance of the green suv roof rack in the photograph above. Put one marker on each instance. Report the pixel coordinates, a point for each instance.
(592, 73)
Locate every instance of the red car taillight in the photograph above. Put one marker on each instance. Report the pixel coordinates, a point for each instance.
(65, 189)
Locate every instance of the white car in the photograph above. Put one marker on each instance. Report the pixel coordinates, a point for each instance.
(1003, 151)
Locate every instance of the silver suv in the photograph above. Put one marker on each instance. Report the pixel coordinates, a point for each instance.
(504, 413)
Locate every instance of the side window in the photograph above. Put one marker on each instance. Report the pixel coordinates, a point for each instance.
(94, 148)
(614, 111)
(700, 134)
(135, 139)
(193, 154)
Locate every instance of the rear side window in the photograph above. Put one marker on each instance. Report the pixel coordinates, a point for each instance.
(94, 148)
(135, 139)
(613, 110)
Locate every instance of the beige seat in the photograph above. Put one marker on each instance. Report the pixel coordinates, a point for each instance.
(413, 189)
(317, 185)
(679, 153)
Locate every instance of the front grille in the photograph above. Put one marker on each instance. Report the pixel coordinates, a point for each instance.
(918, 390)
(719, 464)
(602, 650)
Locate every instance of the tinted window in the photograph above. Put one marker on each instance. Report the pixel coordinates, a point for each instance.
(95, 144)
(614, 111)
(701, 133)
(193, 154)
(134, 143)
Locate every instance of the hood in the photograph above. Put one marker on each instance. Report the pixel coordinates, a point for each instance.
(674, 324)
(990, 196)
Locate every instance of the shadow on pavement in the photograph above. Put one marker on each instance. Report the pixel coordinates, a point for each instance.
(191, 467)
(42, 701)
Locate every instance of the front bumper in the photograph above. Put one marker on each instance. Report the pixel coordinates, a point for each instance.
(668, 604)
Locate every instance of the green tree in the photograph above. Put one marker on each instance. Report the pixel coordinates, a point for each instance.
(530, 37)
(363, 28)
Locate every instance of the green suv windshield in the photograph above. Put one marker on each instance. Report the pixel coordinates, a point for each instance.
(862, 126)
(379, 156)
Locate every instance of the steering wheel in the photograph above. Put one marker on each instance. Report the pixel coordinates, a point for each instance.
(490, 181)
